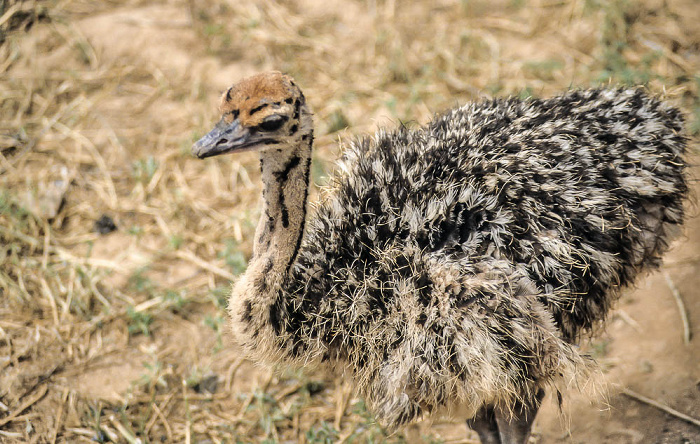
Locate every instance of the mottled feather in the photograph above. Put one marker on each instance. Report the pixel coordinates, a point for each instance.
(456, 264)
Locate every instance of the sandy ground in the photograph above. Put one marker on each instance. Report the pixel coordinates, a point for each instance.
(641, 350)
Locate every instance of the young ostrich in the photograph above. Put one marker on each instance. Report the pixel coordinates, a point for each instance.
(452, 266)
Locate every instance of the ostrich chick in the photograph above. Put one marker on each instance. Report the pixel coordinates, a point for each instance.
(452, 266)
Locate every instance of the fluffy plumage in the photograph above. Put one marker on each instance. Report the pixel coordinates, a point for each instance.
(454, 265)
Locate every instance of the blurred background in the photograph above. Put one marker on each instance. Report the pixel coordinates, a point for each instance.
(117, 248)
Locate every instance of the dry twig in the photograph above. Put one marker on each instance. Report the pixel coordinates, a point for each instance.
(25, 405)
(687, 334)
(660, 406)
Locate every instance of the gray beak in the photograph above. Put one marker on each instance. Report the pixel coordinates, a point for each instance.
(224, 138)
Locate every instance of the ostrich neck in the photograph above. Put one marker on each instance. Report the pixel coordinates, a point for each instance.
(285, 176)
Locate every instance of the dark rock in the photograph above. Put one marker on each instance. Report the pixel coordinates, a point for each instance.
(105, 225)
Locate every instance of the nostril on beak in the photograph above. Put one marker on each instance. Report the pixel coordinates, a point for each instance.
(221, 141)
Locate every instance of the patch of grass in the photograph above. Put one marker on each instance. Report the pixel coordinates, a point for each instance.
(391, 104)
(216, 323)
(619, 17)
(173, 300)
(600, 348)
(213, 29)
(116, 124)
(268, 412)
(337, 121)
(216, 34)
(319, 171)
(175, 241)
(323, 433)
(368, 430)
(219, 296)
(139, 322)
(233, 257)
(543, 69)
(15, 215)
(153, 377)
(138, 281)
(526, 93)
(94, 417)
(176, 300)
(142, 170)
(194, 378)
(136, 230)
(694, 125)
(619, 70)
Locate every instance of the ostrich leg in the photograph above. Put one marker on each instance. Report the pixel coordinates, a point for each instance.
(515, 428)
(497, 427)
(484, 424)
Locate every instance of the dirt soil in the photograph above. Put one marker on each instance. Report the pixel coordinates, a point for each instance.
(121, 336)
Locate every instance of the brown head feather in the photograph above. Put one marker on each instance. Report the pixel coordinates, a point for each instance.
(253, 98)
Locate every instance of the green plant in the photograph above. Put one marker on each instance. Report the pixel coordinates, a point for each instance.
(175, 241)
(175, 299)
(233, 256)
(143, 169)
(139, 321)
(526, 93)
(94, 414)
(219, 296)
(323, 433)
(337, 121)
(136, 231)
(154, 375)
(138, 281)
(694, 125)
(215, 323)
(618, 19)
(600, 348)
(543, 69)
(367, 431)
(268, 411)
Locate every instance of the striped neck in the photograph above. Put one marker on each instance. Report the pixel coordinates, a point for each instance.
(285, 177)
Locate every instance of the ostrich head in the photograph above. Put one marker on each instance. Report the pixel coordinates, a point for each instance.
(264, 112)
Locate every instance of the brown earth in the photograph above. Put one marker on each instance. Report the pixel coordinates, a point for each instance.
(121, 336)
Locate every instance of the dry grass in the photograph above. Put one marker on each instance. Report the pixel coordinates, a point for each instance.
(120, 337)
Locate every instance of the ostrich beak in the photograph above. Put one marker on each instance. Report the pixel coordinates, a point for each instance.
(225, 138)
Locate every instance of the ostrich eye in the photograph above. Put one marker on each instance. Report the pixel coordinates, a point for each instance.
(273, 122)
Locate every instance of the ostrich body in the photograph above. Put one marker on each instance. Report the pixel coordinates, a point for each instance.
(452, 266)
